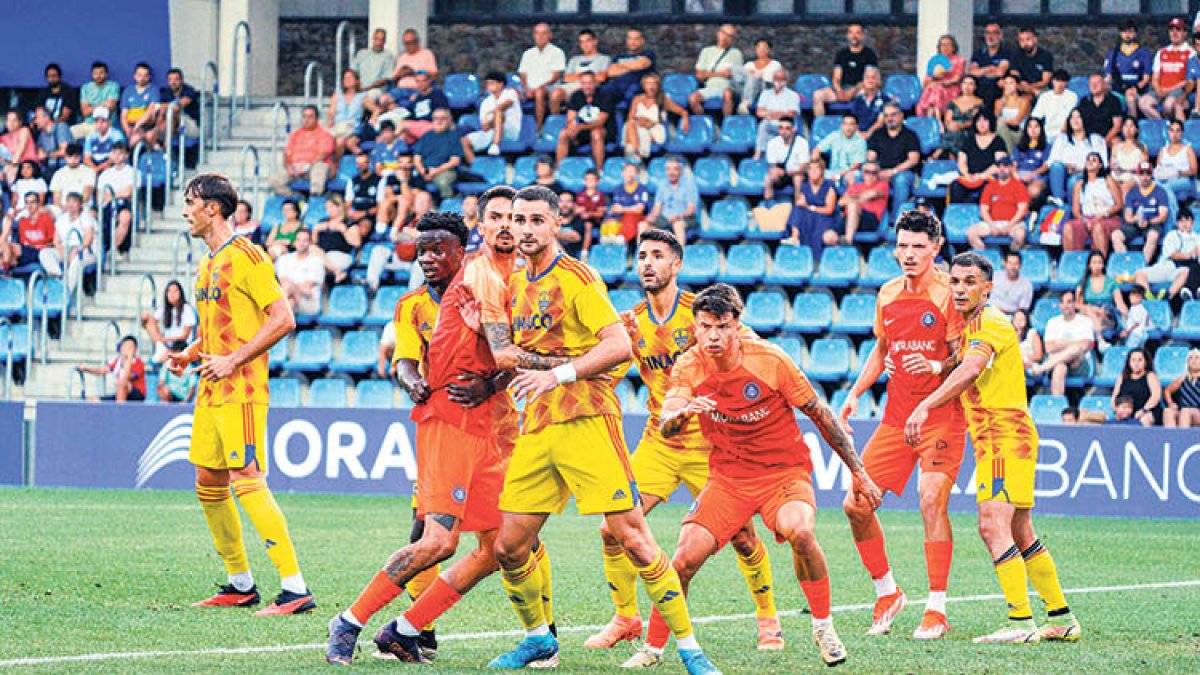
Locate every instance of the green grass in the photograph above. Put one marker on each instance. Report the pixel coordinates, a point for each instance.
(86, 572)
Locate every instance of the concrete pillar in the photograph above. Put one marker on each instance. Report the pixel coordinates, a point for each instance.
(396, 16)
(263, 18)
(936, 18)
(193, 37)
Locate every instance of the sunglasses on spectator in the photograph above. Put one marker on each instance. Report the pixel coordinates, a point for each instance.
(1145, 173)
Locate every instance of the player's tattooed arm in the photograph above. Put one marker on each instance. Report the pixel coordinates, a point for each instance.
(508, 356)
(833, 432)
(677, 410)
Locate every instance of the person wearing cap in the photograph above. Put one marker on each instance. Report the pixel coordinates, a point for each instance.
(1168, 81)
(98, 145)
(499, 118)
(421, 105)
(1003, 208)
(1055, 104)
(1033, 63)
(1147, 207)
(127, 368)
(1127, 68)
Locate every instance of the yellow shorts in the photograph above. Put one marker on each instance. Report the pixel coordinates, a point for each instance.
(1005, 464)
(585, 457)
(660, 469)
(229, 436)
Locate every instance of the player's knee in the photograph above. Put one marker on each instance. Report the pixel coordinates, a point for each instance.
(801, 538)
(606, 535)
(857, 510)
(745, 542)
(933, 505)
(990, 530)
(511, 553)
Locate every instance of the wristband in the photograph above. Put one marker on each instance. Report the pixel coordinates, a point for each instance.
(936, 366)
(565, 373)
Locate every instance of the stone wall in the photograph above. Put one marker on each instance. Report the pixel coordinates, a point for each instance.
(301, 41)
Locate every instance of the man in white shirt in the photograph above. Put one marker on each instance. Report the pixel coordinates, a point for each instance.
(302, 274)
(541, 67)
(1180, 249)
(715, 69)
(774, 104)
(1055, 105)
(499, 118)
(78, 249)
(1068, 339)
(1010, 290)
(788, 156)
(74, 177)
(588, 60)
(374, 65)
(121, 177)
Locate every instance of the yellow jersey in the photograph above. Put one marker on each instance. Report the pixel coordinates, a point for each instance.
(995, 403)
(234, 286)
(656, 348)
(414, 319)
(558, 313)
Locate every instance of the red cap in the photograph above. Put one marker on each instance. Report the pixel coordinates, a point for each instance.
(1177, 23)
(1145, 166)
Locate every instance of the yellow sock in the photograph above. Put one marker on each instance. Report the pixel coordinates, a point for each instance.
(662, 584)
(1043, 574)
(756, 567)
(417, 585)
(268, 519)
(1010, 570)
(622, 580)
(225, 525)
(546, 577)
(524, 588)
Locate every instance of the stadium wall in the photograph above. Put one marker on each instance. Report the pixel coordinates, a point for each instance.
(12, 443)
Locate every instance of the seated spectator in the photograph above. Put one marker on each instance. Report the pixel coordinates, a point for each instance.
(375, 65)
(1180, 253)
(412, 60)
(541, 68)
(1055, 104)
(387, 110)
(898, 151)
(630, 202)
(345, 114)
(1128, 65)
(977, 161)
(959, 117)
(28, 236)
(646, 125)
(1068, 340)
(715, 69)
(1127, 154)
(243, 222)
(423, 103)
(403, 236)
(438, 154)
(1012, 109)
(1068, 155)
(185, 101)
(387, 347)
(75, 177)
(1147, 207)
(1140, 384)
(301, 275)
(173, 325)
(990, 62)
(60, 99)
(1030, 157)
(101, 92)
(943, 78)
(282, 237)
(1136, 326)
(813, 221)
(590, 206)
(1183, 396)
(121, 177)
(1003, 208)
(1098, 297)
(1102, 111)
(16, 145)
(629, 68)
(1168, 92)
(385, 156)
(779, 102)
(1176, 170)
(849, 65)
(572, 229)
(1123, 412)
(306, 156)
(1069, 415)
(1011, 292)
(867, 105)
(1028, 339)
(29, 181)
(337, 240)
(1096, 206)
(591, 119)
(97, 147)
(499, 118)
(545, 175)
(127, 369)
(174, 388)
(864, 203)
(363, 195)
(676, 202)
(78, 250)
(470, 216)
(787, 154)
(52, 140)
(759, 74)
(588, 60)
(140, 109)
(1033, 64)
(847, 151)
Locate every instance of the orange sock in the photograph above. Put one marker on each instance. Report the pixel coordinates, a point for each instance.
(658, 632)
(434, 602)
(817, 593)
(937, 563)
(378, 593)
(874, 556)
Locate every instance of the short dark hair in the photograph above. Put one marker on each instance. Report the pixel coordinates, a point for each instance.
(249, 208)
(587, 31)
(1064, 293)
(55, 67)
(763, 40)
(495, 76)
(538, 193)
(74, 149)
(495, 192)
(290, 201)
(1012, 254)
(718, 300)
(99, 64)
(591, 172)
(127, 338)
(973, 259)
(788, 120)
(1184, 212)
(121, 145)
(74, 195)
(851, 116)
(1122, 399)
(1061, 75)
(143, 64)
(1140, 290)
(664, 237)
(387, 124)
(313, 108)
(213, 187)
(1127, 24)
(1027, 29)
(445, 220)
(175, 71)
(919, 221)
(1072, 411)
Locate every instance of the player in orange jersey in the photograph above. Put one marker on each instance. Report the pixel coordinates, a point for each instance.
(917, 330)
(744, 390)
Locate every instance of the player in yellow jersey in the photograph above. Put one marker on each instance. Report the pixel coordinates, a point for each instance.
(660, 328)
(242, 314)
(990, 380)
(563, 338)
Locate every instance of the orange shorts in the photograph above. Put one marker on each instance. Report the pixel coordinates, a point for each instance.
(889, 459)
(726, 504)
(459, 474)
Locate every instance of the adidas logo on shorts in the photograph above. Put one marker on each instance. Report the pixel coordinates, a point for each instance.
(619, 494)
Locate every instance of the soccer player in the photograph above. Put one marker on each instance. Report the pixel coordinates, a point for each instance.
(990, 382)
(917, 331)
(660, 328)
(243, 313)
(743, 390)
(564, 336)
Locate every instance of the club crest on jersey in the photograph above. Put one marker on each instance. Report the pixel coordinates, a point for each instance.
(641, 343)
(543, 301)
(681, 337)
(459, 494)
(750, 391)
(927, 319)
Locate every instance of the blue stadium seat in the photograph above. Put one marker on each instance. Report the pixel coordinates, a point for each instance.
(462, 90)
(822, 127)
(656, 172)
(1079, 85)
(1160, 318)
(152, 388)
(839, 267)
(314, 212)
(624, 299)
(1111, 366)
(1170, 361)
(48, 297)
(930, 171)
(829, 360)
(882, 267)
(792, 266)
(626, 395)
(1188, 327)
(610, 174)
(701, 264)
(547, 138)
(793, 347)
(285, 392)
(571, 170)
(346, 168)
(1044, 309)
(811, 313)
(866, 404)
(609, 260)
(383, 305)
(525, 137)
(21, 338)
(856, 314)
(928, 130)
(714, 175)
(1125, 264)
(347, 306)
(1096, 403)
(695, 141)
(745, 265)
(905, 88)
(679, 86)
(1086, 373)
(1152, 134)
(279, 353)
(154, 165)
(864, 351)
(958, 219)
(327, 392)
(1035, 266)
(373, 394)
(272, 212)
(766, 311)
(1046, 408)
(524, 171)
(452, 205)
(12, 297)
(750, 176)
(728, 220)
(493, 170)
(1191, 132)
(807, 84)
(314, 351)
(737, 135)
(358, 353)
(1072, 265)
(467, 122)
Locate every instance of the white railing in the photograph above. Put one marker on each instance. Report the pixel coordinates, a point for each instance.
(337, 50)
(309, 70)
(187, 241)
(280, 106)
(141, 298)
(72, 237)
(44, 328)
(242, 27)
(9, 329)
(249, 149)
(208, 130)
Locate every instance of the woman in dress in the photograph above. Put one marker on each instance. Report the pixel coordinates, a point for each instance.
(943, 77)
(1099, 297)
(1012, 109)
(647, 124)
(1127, 153)
(977, 160)
(1032, 350)
(958, 116)
(1096, 204)
(1139, 381)
(1030, 157)
(1176, 170)
(813, 221)
(345, 113)
(1183, 396)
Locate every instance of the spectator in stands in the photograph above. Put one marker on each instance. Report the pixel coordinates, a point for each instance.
(1029, 157)
(29, 181)
(1036, 65)
(541, 68)
(545, 175)
(139, 109)
(628, 69)
(78, 250)
(1096, 205)
(403, 237)
(759, 74)
(864, 203)
(647, 122)
(184, 99)
(1068, 340)
(499, 118)
(52, 140)
(1128, 66)
(422, 103)
(345, 114)
(1127, 155)
(16, 145)
(977, 160)
(121, 177)
(1028, 339)
(572, 229)
(590, 206)
(27, 234)
(1123, 412)
(898, 151)
(362, 197)
(715, 69)
(97, 147)
(588, 60)
(631, 201)
(387, 110)
(1054, 105)
(1003, 208)
(302, 275)
(1136, 324)
(786, 156)
(60, 99)
(1012, 109)
(1183, 395)
(1069, 415)
(1167, 96)
(1140, 384)
(409, 190)
(867, 105)
(1069, 154)
(375, 65)
(306, 156)
(282, 237)
(1147, 208)
(959, 117)
(387, 347)
(243, 222)
(172, 325)
(1099, 297)
(385, 156)
(591, 119)
(1180, 251)
(1176, 170)
(1102, 111)
(943, 78)
(75, 177)
(847, 151)
(1011, 291)
(127, 369)
(990, 62)
(849, 66)
(337, 239)
(676, 202)
(99, 93)
(174, 388)
(813, 221)
(412, 60)
(776, 103)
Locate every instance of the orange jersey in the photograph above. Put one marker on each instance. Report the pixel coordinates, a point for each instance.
(558, 313)
(658, 346)
(415, 316)
(753, 431)
(234, 286)
(923, 323)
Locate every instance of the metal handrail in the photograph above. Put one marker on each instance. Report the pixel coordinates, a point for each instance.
(109, 348)
(149, 186)
(280, 106)
(111, 195)
(8, 358)
(169, 196)
(71, 237)
(337, 49)
(44, 330)
(186, 239)
(153, 300)
(82, 384)
(182, 166)
(208, 130)
(309, 69)
(237, 30)
(249, 148)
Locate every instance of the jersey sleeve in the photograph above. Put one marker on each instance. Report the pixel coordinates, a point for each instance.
(792, 383)
(260, 282)
(408, 340)
(685, 374)
(594, 309)
(988, 339)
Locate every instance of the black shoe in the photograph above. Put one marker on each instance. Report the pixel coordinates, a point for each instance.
(427, 641)
(554, 630)
(404, 647)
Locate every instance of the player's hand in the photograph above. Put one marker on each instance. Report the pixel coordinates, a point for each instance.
(217, 367)
(177, 362)
(912, 428)
(889, 366)
(699, 406)
(849, 409)
(470, 390)
(916, 364)
(471, 312)
(863, 487)
(418, 390)
(529, 384)
(629, 321)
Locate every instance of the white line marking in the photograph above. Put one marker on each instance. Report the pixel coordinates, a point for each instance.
(108, 656)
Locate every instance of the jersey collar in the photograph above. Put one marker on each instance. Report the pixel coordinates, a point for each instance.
(546, 271)
(437, 299)
(674, 307)
(228, 241)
